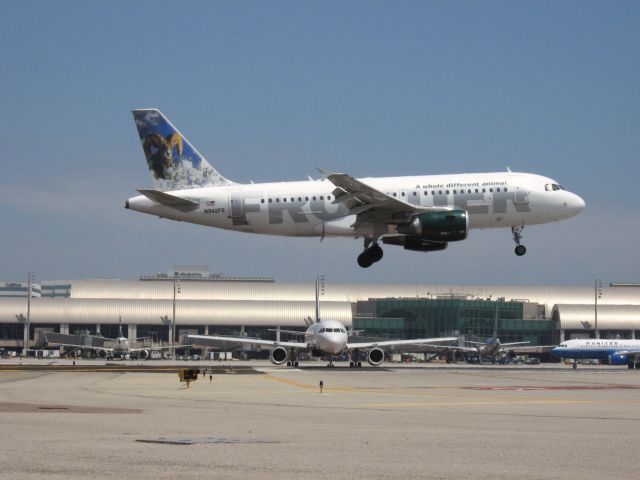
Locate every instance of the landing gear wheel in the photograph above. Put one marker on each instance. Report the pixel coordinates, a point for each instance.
(365, 260)
(370, 256)
(376, 253)
(352, 364)
(516, 230)
(521, 250)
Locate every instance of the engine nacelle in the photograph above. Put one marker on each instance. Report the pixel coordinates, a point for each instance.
(143, 354)
(618, 359)
(442, 226)
(375, 356)
(103, 353)
(278, 355)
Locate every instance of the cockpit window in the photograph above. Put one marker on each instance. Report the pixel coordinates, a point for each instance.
(553, 187)
(322, 330)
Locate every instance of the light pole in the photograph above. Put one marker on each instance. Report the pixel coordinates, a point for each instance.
(597, 294)
(320, 287)
(176, 290)
(30, 280)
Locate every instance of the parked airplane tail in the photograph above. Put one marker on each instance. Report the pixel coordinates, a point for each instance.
(173, 162)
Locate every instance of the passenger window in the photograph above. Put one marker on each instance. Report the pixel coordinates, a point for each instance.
(306, 199)
(476, 190)
(414, 194)
(328, 197)
(497, 189)
(299, 199)
(395, 194)
(314, 198)
(262, 200)
(491, 190)
(403, 194)
(277, 200)
(447, 192)
(284, 199)
(293, 199)
(321, 197)
(439, 192)
(455, 191)
(270, 200)
(505, 189)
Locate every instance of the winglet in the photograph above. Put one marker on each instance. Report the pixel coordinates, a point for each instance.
(324, 174)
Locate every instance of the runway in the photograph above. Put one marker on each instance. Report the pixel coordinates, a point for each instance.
(396, 422)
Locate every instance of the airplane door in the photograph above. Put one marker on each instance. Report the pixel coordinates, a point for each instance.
(236, 204)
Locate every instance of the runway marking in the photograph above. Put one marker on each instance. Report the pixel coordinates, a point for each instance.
(555, 387)
(473, 403)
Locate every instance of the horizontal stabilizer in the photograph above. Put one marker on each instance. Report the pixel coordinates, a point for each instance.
(172, 201)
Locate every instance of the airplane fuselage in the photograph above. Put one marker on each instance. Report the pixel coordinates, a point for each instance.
(329, 336)
(612, 351)
(308, 208)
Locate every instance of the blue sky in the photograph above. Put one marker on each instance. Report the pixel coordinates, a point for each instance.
(268, 90)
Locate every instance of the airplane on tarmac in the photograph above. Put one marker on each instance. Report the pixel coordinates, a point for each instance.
(121, 348)
(492, 347)
(323, 337)
(614, 352)
(419, 213)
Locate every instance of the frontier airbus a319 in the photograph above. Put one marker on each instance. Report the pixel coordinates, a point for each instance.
(421, 213)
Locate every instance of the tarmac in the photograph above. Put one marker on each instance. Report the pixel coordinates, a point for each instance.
(254, 420)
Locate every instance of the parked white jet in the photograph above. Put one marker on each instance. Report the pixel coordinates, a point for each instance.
(324, 337)
(120, 347)
(614, 352)
(420, 213)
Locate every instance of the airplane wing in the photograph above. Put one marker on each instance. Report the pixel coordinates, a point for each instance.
(402, 345)
(361, 198)
(514, 343)
(235, 342)
(82, 347)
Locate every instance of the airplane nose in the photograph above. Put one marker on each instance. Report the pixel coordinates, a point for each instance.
(573, 203)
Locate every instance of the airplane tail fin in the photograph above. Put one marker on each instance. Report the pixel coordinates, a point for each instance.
(173, 162)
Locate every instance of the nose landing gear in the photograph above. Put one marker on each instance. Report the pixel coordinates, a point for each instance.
(517, 236)
(370, 256)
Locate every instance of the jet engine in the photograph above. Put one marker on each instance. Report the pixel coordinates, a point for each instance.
(103, 353)
(375, 356)
(143, 354)
(442, 226)
(278, 355)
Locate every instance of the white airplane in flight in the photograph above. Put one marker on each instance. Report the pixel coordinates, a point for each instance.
(323, 337)
(614, 352)
(420, 213)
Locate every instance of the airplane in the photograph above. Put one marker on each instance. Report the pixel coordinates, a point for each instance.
(492, 347)
(322, 337)
(121, 348)
(614, 352)
(419, 213)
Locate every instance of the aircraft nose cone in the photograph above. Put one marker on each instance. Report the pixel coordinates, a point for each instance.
(573, 204)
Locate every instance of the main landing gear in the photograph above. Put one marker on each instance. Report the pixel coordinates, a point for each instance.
(371, 255)
(517, 236)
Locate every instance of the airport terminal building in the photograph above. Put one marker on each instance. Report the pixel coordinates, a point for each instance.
(201, 302)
